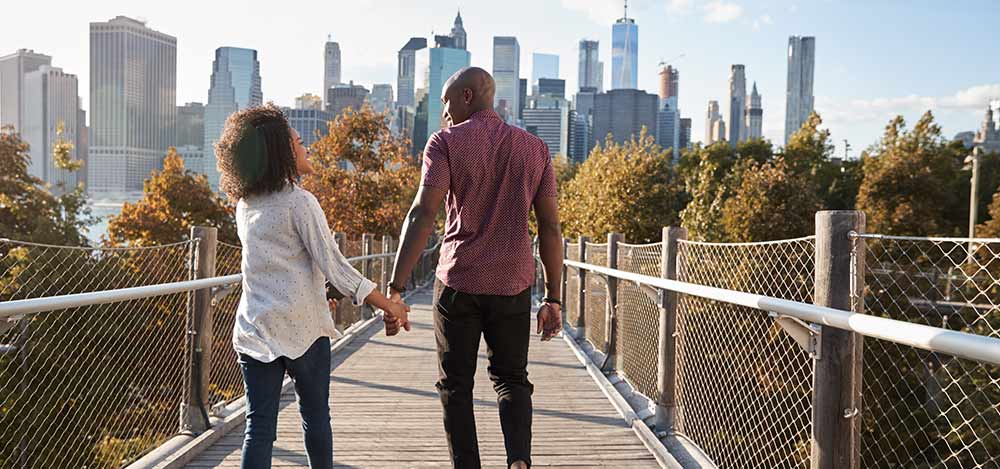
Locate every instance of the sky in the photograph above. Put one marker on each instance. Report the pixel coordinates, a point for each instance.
(874, 59)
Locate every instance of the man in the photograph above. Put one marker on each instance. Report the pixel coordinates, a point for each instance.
(492, 175)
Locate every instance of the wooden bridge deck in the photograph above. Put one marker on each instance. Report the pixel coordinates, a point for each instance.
(386, 412)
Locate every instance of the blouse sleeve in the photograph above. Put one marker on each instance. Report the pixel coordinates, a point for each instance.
(315, 234)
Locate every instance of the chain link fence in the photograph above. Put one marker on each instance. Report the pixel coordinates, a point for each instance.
(225, 378)
(743, 385)
(78, 387)
(596, 297)
(924, 409)
(638, 318)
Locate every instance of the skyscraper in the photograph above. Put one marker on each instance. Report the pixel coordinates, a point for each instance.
(712, 123)
(406, 71)
(581, 122)
(668, 125)
(191, 136)
(623, 114)
(737, 104)
(551, 87)
(345, 96)
(235, 85)
(507, 73)
(444, 62)
(331, 65)
(669, 82)
(523, 85)
(13, 68)
(625, 53)
(543, 66)
(311, 124)
(591, 69)
(309, 101)
(548, 119)
(799, 92)
(50, 102)
(458, 33)
(133, 103)
(381, 97)
(755, 115)
(685, 134)
(191, 124)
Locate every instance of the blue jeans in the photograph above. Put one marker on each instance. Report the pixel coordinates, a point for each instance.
(262, 381)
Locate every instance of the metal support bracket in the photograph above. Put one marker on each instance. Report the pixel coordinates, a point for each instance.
(808, 336)
(218, 293)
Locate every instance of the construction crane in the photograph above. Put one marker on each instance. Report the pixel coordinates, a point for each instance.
(664, 63)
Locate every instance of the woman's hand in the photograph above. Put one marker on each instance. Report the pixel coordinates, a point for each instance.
(397, 314)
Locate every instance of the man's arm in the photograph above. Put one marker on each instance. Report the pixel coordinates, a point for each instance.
(417, 227)
(550, 249)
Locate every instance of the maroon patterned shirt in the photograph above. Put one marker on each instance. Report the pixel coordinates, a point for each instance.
(493, 173)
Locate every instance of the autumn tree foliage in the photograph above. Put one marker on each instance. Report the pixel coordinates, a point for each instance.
(628, 188)
(771, 202)
(174, 200)
(364, 176)
(912, 182)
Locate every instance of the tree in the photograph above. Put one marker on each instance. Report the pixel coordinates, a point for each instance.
(174, 200)
(28, 210)
(809, 153)
(911, 181)
(991, 228)
(363, 175)
(628, 188)
(770, 203)
(709, 175)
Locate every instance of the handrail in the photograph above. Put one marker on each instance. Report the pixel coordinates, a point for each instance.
(14, 308)
(934, 339)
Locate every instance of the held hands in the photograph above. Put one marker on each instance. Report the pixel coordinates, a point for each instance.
(396, 317)
(549, 320)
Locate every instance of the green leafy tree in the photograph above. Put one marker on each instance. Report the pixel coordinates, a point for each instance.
(991, 228)
(174, 200)
(770, 203)
(911, 181)
(709, 174)
(28, 210)
(364, 177)
(628, 188)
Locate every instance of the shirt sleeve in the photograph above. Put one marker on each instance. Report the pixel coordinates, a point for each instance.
(435, 167)
(315, 234)
(547, 185)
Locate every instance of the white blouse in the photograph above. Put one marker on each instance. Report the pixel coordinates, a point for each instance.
(288, 254)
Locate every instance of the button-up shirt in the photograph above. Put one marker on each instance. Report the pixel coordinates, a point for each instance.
(493, 172)
(288, 255)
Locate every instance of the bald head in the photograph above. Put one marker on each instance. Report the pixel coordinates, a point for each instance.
(468, 91)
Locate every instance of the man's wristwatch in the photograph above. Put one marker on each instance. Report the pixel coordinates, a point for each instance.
(397, 287)
(553, 301)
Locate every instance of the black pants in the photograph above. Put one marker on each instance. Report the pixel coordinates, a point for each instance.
(459, 320)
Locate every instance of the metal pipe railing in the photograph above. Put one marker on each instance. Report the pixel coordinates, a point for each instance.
(9, 309)
(934, 339)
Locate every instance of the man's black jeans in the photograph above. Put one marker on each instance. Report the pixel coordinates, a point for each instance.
(459, 320)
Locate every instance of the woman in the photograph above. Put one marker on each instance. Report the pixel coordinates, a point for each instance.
(283, 323)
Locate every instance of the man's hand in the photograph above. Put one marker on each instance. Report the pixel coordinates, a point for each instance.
(396, 317)
(396, 297)
(549, 320)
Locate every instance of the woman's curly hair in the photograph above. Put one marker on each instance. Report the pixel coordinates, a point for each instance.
(254, 154)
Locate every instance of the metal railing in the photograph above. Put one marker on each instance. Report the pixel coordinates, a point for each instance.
(99, 346)
(837, 350)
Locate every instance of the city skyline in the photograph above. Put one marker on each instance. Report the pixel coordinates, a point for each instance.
(855, 101)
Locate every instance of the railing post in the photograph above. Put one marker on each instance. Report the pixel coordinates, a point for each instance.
(367, 249)
(666, 360)
(611, 308)
(194, 408)
(836, 428)
(581, 291)
(386, 262)
(563, 280)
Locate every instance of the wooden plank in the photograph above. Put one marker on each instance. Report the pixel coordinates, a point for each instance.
(386, 413)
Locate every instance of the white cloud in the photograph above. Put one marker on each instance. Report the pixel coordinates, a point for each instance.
(601, 11)
(679, 5)
(718, 11)
(760, 21)
(973, 100)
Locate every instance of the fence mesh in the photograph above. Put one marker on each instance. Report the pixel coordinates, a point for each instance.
(225, 379)
(570, 309)
(95, 386)
(638, 318)
(596, 299)
(744, 386)
(924, 409)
